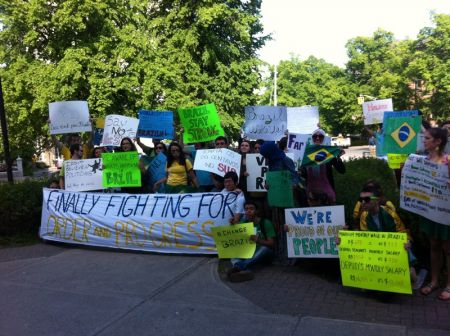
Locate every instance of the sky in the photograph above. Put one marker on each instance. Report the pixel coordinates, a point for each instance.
(322, 27)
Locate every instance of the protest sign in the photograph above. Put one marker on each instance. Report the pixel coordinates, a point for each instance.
(302, 120)
(121, 169)
(265, 122)
(375, 260)
(83, 175)
(395, 160)
(312, 231)
(316, 155)
(200, 123)
(155, 124)
(99, 126)
(157, 169)
(424, 190)
(280, 189)
(118, 127)
(165, 223)
(399, 114)
(218, 161)
(233, 241)
(256, 169)
(373, 110)
(297, 145)
(400, 135)
(69, 117)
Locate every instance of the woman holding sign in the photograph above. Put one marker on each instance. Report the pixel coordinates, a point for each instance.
(435, 141)
(179, 172)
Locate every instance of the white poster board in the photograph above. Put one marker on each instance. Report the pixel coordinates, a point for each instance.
(83, 175)
(424, 190)
(302, 119)
(312, 231)
(373, 110)
(297, 144)
(118, 127)
(256, 169)
(218, 161)
(265, 122)
(69, 117)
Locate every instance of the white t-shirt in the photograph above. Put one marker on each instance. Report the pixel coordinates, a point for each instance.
(238, 205)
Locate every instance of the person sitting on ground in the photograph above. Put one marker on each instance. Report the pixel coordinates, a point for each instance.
(264, 239)
(230, 181)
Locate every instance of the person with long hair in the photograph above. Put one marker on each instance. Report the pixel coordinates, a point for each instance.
(179, 172)
(127, 145)
(435, 141)
(245, 148)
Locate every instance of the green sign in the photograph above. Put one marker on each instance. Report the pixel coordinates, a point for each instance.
(121, 169)
(279, 193)
(400, 134)
(233, 241)
(200, 123)
(375, 260)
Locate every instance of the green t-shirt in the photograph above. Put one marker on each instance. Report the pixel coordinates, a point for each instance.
(269, 230)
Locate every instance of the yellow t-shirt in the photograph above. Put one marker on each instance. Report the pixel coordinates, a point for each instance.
(65, 152)
(177, 174)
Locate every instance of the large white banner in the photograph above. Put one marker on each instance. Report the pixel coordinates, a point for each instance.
(424, 189)
(83, 175)
(297, 144)
(166, 223)
(118, 127)
(265, 122)
(373, 110)
(69, 117)
(312, 231)
(302, 119)
(218, 161)
(256, 169)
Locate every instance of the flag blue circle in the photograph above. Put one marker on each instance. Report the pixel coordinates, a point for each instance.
(320, 156)
(403, 133)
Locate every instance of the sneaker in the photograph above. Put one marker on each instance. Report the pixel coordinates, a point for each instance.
(241, 276)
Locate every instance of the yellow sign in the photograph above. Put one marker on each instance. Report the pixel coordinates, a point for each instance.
(360, 100)
(233, 241)
(395, 160)
(375, 260)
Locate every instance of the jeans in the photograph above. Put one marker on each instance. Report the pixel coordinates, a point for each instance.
(263, 252)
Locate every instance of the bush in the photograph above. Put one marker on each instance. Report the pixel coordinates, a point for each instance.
(20, 207)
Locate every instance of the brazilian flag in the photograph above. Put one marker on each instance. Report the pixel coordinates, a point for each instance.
(400, 134)
(316, 155)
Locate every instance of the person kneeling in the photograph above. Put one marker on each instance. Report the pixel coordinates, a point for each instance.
(264, 238)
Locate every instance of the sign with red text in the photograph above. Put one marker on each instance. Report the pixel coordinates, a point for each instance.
(374, 110)
(218, 161)
(118, 127)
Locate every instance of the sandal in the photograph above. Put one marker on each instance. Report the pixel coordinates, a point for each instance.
(445, 295)
(428, 289)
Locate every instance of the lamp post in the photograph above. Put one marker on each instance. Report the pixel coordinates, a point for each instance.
(5, 136)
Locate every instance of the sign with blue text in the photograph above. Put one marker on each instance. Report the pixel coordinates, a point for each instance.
(265, 122)
(69, 117)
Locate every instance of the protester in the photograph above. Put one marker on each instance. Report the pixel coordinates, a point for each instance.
(126, 145)
(230, 181)
(257, 145)
(435, 141)
(221, 142)
(76, 153)
(97, 152)
(72, 139)
(264, 239)
(244, 149)
(149, 151)
(179, 173)
(54, 184)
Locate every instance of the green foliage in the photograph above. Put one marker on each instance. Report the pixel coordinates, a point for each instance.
(20, 207)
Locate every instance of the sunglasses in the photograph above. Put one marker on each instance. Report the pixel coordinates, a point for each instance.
(317, 136)
(159, 147)
(220, 143)
(174, 150)
(367, 199)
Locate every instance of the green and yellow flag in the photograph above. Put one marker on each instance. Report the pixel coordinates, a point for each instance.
(316, 155)
(400, 135)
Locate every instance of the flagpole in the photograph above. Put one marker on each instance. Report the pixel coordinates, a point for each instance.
(275, 97)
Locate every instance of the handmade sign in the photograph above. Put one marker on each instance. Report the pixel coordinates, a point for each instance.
(265, 122)
(302, 120)
(400, 135)
(98, 131)
(316, 155)
(200, 123)
(297, 145)
(256, 169)
(424, 189)
(83, 175)
(69, 117)
(233, 241)
(155, 124)
(165, 223)
(121, 169)
(375, 260)
(395, 160)
(218, 161)
(312, 231)
(373, 110)
(157, 169)
(118, 127)
(280, 189)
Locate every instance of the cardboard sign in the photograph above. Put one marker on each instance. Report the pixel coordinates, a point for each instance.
(280, 189)
(374, 110)
(265, 122)
(155, 124)
(69, 117)
(118, 127)
(83, 175)
(200, 123)
(302, 120)
(256, 169)
(375, 260)
(233, 241)
(218, 161)
(121, 169)
(424, 190)
(297, 145)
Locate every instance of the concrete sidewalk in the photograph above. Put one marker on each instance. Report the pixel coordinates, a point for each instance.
(60, 290)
